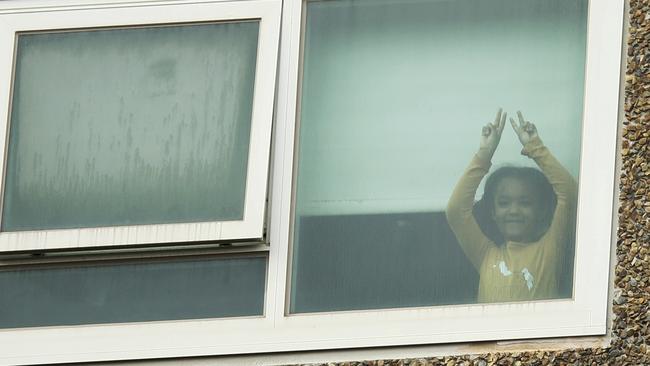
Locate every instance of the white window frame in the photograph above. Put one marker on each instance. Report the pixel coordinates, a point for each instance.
(278, 331)
(251, 226)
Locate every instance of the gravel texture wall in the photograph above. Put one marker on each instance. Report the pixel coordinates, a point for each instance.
(630, 344)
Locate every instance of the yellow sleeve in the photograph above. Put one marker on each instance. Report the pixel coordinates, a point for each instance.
(566, 191)
(459, 211)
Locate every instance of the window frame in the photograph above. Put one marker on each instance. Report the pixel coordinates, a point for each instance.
(278, 331)
(251, 226)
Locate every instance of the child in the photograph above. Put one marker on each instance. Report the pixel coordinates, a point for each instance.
(531, 213)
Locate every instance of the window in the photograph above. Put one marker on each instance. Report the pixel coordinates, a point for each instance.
(346, 183)
(394, 97)
(126, 154)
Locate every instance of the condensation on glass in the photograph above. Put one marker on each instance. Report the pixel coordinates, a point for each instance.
(133, 292)
(394, 98)
(129, 126)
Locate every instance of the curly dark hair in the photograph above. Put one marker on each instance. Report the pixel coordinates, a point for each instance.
(532, 177)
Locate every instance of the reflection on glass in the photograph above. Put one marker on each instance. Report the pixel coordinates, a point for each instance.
(130, 126)
(132, 292)
(394, 98)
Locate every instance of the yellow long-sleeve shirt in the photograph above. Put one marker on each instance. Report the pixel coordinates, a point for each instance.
(515, 271)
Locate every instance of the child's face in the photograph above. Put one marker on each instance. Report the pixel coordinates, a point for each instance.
(515, 210)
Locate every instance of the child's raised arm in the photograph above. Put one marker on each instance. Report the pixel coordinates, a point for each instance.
(459, 209)
(564, 186)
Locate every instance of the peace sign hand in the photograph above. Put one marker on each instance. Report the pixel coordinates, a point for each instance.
(525, 130)
(491, 134)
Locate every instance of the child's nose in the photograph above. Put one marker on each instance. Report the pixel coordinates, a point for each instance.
(514, 208)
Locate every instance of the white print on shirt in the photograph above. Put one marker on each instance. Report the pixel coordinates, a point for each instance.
(528, 277)
(503, 268)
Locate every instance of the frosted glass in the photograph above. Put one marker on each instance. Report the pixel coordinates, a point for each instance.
(394, 96)
(394, 92)
(130, 126)
(131, 292)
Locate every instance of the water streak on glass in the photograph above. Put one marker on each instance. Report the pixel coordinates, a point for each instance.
(130, 126)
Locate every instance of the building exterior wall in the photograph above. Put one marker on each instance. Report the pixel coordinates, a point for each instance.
(627, 341)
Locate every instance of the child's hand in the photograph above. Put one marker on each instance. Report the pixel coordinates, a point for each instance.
(525, 130)
(491, 134)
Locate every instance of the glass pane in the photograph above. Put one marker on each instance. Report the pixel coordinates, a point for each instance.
(133, 292)
(395, 95)
(130, 126)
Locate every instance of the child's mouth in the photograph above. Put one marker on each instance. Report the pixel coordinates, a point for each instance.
(514, 221)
